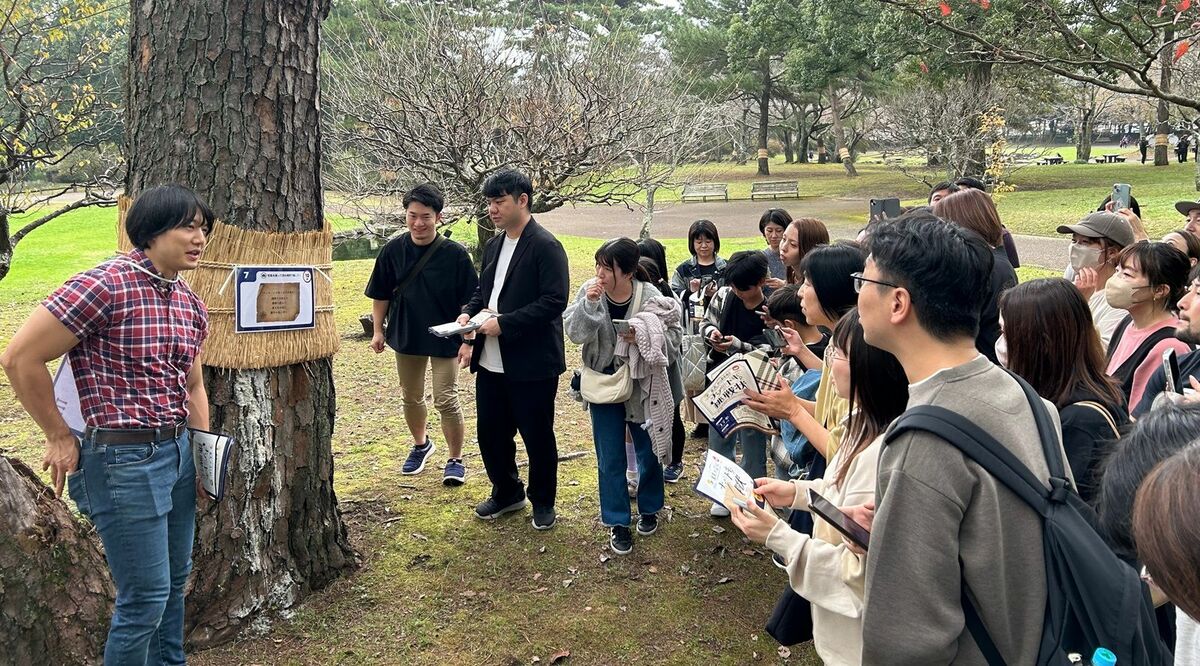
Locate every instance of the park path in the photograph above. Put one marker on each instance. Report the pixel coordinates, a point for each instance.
(739, 219)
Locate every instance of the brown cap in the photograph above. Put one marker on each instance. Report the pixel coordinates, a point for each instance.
(1102, 225)
(1185, 207)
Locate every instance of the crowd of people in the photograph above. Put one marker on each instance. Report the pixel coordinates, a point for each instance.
(1087, 385)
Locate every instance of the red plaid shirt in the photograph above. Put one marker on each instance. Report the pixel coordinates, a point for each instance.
(138, 338)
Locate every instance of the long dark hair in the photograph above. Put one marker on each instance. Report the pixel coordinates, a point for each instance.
(654, 250)
(1053, 343)
(972, 209)
(828, 268)
(878, 388)
(622, 253)
(810, 232)
(1155, 437)
(653, 277)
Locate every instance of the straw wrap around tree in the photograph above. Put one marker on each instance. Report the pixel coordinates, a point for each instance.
(224, 98)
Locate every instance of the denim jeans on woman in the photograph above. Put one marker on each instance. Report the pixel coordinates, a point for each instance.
(608, 431)
(142, 500)
(754, 449)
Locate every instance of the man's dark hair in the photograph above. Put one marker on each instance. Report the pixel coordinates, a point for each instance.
(945, 268)
(508, 182)
(1133, 205)
(427, 194)
(161, 209)
(944, 186)
(777, 216)
(784, 303)
(746, 269)
(703, 228)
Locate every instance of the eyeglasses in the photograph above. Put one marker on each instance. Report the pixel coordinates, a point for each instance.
(859, 279)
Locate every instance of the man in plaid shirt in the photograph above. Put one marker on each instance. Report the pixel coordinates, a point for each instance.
(132, 331)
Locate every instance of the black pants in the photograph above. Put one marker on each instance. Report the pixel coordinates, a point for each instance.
(503, 408)
(678, 435)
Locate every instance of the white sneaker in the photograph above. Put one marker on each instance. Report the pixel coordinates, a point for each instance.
(718, 511)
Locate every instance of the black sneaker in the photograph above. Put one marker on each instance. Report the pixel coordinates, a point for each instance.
(647, 524)
(620, 540)
(490, 509)
(544, 519)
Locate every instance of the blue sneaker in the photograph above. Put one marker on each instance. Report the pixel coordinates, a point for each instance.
(673, 472)
(455, 474)
(417, 458)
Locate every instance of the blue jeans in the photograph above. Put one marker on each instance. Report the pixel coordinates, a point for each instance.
(142, 500)
(754, 449)
(608, 431)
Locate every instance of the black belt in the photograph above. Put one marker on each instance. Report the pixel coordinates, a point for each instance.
(133, 435)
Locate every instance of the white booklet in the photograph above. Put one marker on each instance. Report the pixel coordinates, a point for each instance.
(721, 401)
(454, 328)
(723, 482)
(211, 451)
(66, 398)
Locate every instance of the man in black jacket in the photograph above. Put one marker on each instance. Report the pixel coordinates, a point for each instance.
(518, 355)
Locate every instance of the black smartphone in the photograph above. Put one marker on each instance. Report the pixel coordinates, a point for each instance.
(882, 209)
(840, 521)
(775, 337)
(1121, 196)
(1170, 364)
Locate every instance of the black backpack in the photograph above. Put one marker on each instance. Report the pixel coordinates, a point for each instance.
(1094, 599)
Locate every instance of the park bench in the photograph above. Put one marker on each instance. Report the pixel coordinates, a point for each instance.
(775, 189)
(704, 191)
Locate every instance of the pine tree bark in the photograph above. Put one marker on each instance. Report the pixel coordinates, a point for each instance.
(56, 593)
(764, 119)
(1162, 152)
(839, 134)
(224, 98)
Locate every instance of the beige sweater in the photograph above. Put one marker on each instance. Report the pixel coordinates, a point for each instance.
(937, 508)
(821, 569)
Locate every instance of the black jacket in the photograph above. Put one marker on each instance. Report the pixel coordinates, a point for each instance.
(531, 304)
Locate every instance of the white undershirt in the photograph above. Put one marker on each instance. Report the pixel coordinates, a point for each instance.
(490, 358)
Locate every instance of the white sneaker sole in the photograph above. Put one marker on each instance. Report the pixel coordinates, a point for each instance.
(418, 470)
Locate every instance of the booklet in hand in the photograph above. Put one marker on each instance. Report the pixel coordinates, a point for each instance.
(723, 482)
(721, 401)
(454, 328)
(211, 451)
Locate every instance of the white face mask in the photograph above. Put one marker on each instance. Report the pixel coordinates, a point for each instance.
(1083, 256)
(1002, 351)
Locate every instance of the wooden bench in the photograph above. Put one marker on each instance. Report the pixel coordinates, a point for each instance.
(775, 189)
(705, 191)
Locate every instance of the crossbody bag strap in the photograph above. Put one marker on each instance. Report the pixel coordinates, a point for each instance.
(1103, 411)
(438, 241)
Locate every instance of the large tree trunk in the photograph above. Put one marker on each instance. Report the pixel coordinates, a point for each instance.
(764, 119)
(224, 97)
(55, 593)
(1162, 151)
(979, 84)
(839, 134)
(789, 155)
(648, 216)
(1083, 135)
(803, 134)
(6, 247)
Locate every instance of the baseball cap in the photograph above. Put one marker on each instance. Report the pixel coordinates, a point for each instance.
(1102, 225)
(1185, 207)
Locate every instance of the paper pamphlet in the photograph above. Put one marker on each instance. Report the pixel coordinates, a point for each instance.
(723, 482)
(454, 328)
(721, 402)
(66, 398)
(211, 451)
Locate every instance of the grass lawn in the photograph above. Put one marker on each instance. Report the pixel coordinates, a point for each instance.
(438, 586)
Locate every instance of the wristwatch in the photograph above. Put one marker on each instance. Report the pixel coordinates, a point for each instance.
(470, 342)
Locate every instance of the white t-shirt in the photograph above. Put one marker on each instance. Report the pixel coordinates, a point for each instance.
(490, 358)
(1187, 640)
